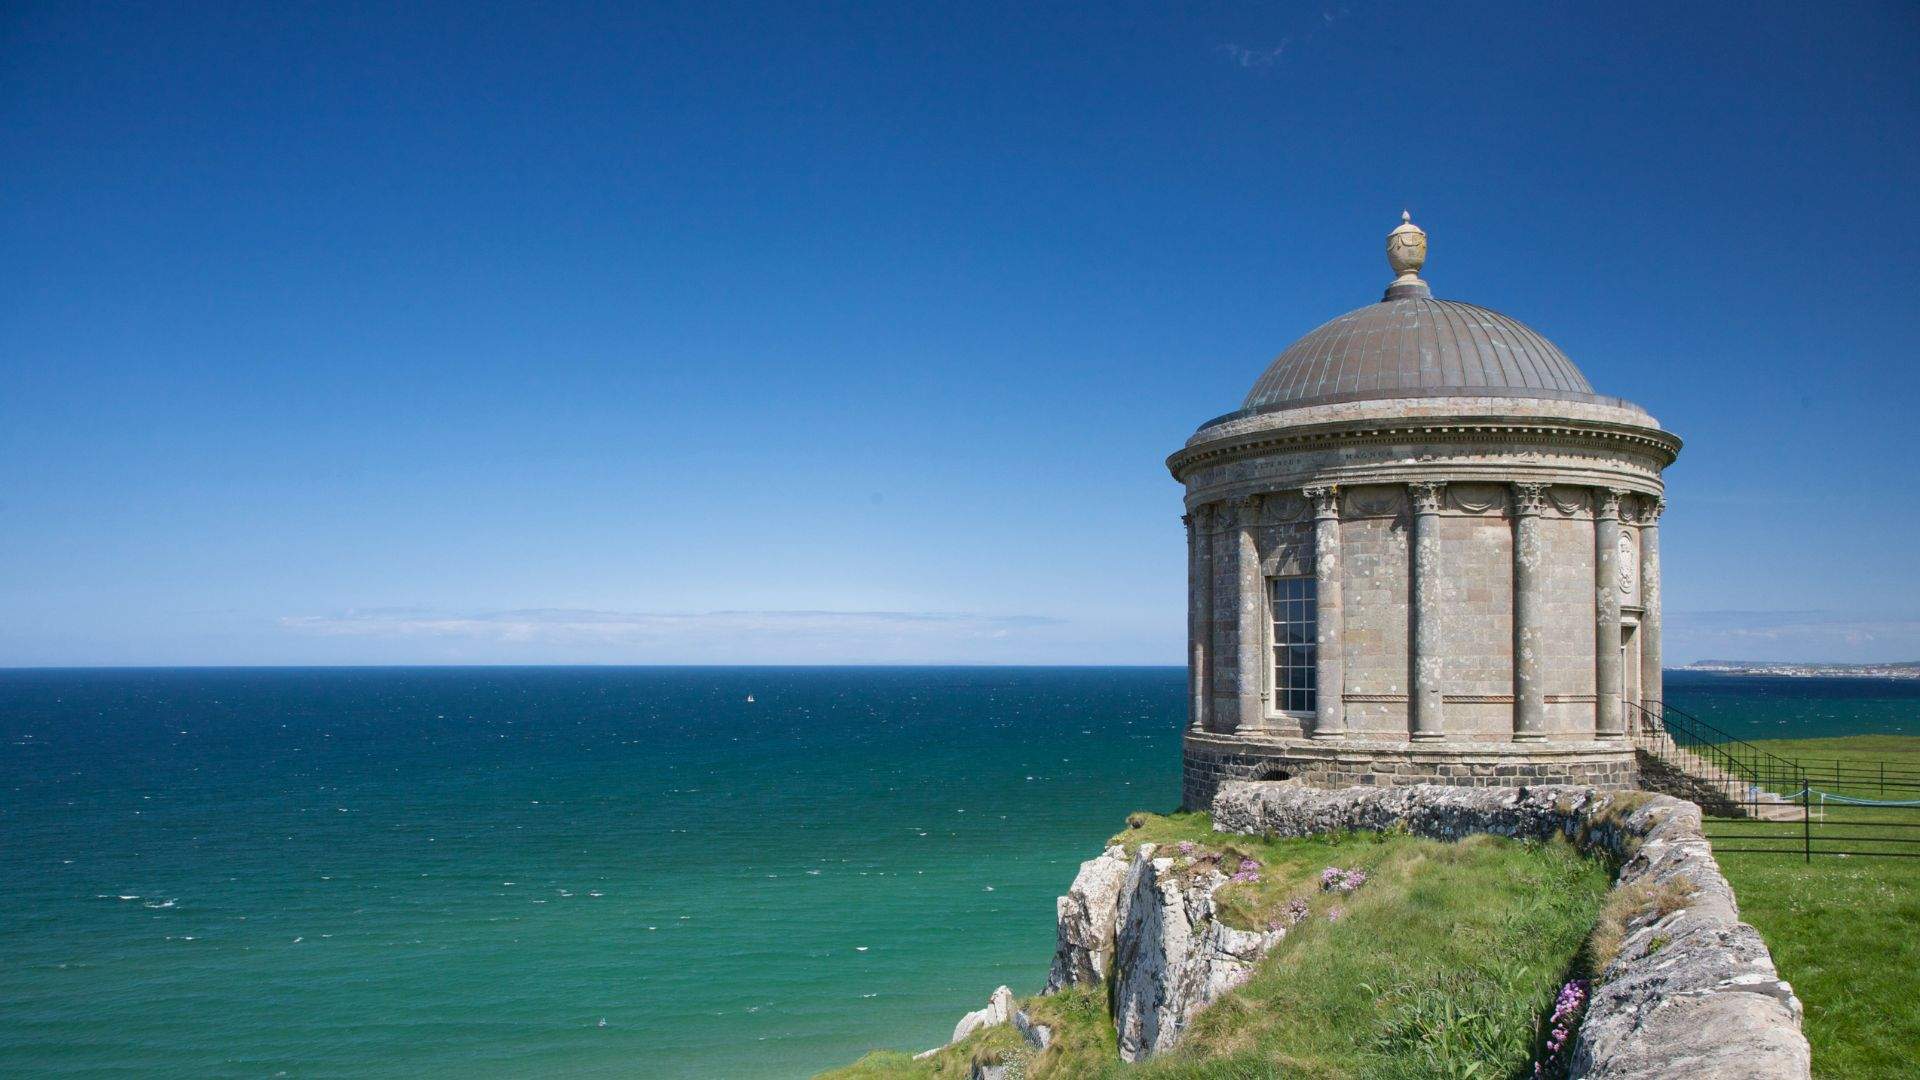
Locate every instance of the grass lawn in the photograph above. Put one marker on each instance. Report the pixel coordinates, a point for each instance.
(1439, 966)
(1845, 931)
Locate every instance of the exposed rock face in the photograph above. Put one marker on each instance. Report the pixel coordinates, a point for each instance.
(1086, 922)
(998, 1011)
(1172, 953)
(1040, 1035)
(1692, 994)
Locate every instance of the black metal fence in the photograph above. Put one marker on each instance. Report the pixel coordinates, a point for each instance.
(1827, 823)
(1725, 775)
(1764, 804)
(1895, 783)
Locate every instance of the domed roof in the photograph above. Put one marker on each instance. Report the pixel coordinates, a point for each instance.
(1411, 345)
(1416, 346)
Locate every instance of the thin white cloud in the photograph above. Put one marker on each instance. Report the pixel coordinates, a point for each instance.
(1814, 636)
(1266, 56)
(1256, 57)
(584, 626)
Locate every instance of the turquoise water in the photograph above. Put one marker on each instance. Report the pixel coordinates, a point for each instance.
(441, 872)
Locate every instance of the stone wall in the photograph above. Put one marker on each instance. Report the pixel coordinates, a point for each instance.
(1374, 558)
(1509, 492)
(1476, 632)
(1692, 992)
(1212, 760)
(1568, 639)
(1475, 591)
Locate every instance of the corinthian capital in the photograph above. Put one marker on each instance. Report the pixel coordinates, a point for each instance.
(1426, 496)
(1325, 499)
(1529, 500)
(1651, 507)
(1606, 503)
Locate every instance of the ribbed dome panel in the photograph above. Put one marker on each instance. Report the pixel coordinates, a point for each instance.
(1418, 347)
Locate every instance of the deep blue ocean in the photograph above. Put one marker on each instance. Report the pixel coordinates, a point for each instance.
(579, 871)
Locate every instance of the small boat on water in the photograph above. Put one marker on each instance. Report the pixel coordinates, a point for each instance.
(749, 699)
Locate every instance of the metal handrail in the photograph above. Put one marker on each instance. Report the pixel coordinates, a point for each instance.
(1723, 738)
(1742, 771)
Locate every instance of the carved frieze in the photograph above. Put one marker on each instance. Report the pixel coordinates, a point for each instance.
(1285, 508)
(1373, 501)
(1569, 501)
(1476, 498)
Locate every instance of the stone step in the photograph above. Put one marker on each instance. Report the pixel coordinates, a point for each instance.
(1765, 805)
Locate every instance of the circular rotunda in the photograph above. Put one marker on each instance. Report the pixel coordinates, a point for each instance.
(1424, 550)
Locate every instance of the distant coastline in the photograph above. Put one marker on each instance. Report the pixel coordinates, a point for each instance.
(1908, 669)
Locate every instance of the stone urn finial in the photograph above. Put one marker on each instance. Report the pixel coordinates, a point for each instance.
(1407, 253)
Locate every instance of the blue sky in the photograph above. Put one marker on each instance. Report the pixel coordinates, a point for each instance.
(715, 333)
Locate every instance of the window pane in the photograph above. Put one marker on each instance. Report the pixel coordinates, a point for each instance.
(1295, 607)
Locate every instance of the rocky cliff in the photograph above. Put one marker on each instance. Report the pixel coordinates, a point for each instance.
(1172, 952)
(1147, 922)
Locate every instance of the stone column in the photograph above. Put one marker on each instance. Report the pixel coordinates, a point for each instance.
(1650, 681)
(1606, 614)
(1196, 623)
(1529, 614)
(1253, 609)
(1423, 614)
(1330, 674)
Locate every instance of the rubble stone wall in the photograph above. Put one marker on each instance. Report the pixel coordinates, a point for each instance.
(1691, 993)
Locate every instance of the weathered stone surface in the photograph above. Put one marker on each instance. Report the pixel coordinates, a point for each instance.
(1040, 1035)
(1691, 994)
(1172, 955)
(1085, 922)
(998, 1011)
(1213, 759)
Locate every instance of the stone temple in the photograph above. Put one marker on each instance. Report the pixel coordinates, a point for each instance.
(1422, 550)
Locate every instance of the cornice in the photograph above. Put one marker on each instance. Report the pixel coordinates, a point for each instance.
(1664, 446)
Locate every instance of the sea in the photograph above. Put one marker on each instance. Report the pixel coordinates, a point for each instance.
(586, 871)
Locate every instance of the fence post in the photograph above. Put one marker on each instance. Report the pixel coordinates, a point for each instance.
(1806, 816)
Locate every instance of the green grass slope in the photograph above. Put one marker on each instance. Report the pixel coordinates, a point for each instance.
(1845, 931)
(1440, 965)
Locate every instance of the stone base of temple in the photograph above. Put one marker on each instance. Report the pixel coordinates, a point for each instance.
(1211, 759)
